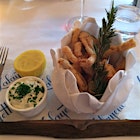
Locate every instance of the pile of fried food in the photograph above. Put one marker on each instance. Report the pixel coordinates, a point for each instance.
(80, 55)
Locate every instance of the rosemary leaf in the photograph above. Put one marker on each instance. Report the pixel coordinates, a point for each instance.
(106, 32)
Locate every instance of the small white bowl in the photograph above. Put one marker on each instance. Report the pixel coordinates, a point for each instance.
(22, 98)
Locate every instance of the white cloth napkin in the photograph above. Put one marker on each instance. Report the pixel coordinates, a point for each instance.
(65, 86)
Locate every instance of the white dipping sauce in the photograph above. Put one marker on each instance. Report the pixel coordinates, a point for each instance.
(26, 94)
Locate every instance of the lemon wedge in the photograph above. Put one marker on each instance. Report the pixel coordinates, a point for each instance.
(30, 63)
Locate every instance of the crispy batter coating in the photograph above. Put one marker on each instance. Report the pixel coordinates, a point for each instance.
(80, 56)
(120, 65)
(77, 50)
(75, 37)
(109, 68)
(82, 84)
(69, 54)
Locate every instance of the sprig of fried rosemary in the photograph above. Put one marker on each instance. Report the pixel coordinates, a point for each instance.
(106, 32)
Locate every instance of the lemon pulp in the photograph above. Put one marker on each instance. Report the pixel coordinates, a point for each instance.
(30, 63)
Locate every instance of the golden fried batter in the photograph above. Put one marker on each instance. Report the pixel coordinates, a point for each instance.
(82, 84)
(123, 47)
(75, 37)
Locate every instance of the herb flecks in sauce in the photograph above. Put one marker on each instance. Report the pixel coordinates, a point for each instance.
(26, 94)
(38, 89)
(22, 90)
